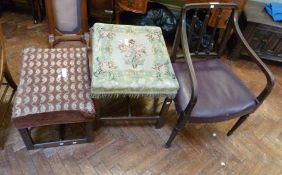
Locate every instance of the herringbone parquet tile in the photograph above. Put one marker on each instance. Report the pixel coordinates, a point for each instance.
(137, 148)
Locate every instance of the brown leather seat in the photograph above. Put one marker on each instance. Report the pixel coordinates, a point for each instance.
(221, 94)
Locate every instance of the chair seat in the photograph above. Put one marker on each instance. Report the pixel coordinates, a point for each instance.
(221, 94)
(54, 88)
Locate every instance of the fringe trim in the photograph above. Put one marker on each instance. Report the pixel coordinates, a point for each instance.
(131, 95)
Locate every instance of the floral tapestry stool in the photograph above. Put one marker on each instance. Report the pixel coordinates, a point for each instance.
(54, 89)
(131, 61)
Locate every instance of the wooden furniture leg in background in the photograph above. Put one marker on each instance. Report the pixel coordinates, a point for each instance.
(135, 6)
(37, 10)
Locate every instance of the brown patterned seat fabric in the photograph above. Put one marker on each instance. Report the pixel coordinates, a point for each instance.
(54, 88)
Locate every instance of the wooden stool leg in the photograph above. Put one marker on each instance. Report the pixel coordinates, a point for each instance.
(62, 132)
(163, 112)
(89, 130)
(26, 138)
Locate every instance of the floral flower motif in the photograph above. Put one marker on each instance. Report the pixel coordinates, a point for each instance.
(107, 66)
(152, 36)
(162, 70)
(133, 52)
(107, 34)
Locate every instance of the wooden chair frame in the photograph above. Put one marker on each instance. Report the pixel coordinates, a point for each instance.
(5, 74)
(181, 38)
(56, 36)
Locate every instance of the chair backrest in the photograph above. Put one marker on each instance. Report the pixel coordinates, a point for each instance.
(204, 27)
(194, 45)
(67, 19)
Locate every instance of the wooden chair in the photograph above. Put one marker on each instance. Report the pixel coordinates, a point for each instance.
(67, 20)
(54, 89)
(209, 90)
(6, 80)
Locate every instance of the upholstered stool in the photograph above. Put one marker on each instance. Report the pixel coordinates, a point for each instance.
(54, 89)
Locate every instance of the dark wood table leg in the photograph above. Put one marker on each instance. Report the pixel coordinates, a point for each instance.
(163, 112)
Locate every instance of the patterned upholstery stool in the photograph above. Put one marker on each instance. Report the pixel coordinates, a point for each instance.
(54, 89)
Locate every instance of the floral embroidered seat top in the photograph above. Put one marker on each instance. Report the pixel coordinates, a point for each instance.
(131, 61)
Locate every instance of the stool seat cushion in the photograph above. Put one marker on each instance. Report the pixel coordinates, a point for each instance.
(53, 80)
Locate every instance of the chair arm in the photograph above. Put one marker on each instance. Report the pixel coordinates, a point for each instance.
(269, 77)
(191, 72)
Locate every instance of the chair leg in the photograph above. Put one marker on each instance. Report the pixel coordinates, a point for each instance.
(237, 124)
(180, 124)
(26, 138)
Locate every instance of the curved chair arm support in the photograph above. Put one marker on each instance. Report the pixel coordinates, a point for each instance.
(191, 72)
(269, 77)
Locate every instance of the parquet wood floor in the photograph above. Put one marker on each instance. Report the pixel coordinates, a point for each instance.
(138, 148)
